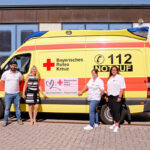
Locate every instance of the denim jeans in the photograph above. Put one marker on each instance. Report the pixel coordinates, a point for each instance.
(93, 113)
(9, 99)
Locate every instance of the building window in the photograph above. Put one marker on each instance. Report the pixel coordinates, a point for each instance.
(73, 26)
(13, 35)
(96, 26)
(5, 41)
(24, 34)
(116, 26)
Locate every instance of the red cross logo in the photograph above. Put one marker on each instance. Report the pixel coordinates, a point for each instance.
(60, 82)
(48, 64)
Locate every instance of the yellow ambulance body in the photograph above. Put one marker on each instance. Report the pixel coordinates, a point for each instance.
(65, 59)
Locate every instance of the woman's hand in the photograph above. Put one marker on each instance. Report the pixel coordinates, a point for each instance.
(119, 99)
(106, 99)
(80, 93)
(24, 97)
(45, 96)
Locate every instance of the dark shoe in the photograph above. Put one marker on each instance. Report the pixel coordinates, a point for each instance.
(5, 124)
(20, 122)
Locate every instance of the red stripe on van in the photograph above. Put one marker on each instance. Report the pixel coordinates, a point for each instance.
(132, 84)
(26, 48)
(52, 46)
(83, 45)
(42, 84)
(60, 46)
(147, 44)
(114, 45)
(1, 87)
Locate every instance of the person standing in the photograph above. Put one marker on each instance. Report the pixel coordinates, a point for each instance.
(115, 87)
(95, 88)
(11, 80)
(31, 93)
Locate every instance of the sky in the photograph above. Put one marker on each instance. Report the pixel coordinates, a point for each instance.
(73, 2)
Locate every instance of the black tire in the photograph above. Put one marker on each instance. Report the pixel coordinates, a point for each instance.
(105, 115)
(125, 115)
(1, 108)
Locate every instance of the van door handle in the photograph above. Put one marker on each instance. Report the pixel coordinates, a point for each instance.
(145, 81)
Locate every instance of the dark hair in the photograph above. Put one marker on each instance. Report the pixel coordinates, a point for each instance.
(13, 62)
(110, 72)
(95, 70)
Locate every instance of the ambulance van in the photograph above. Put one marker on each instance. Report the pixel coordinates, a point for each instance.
(65, 59)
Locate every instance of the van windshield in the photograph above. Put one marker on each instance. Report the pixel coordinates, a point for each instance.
(23, 63)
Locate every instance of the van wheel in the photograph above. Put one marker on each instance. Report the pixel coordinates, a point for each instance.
(105, 115)
(1, 108)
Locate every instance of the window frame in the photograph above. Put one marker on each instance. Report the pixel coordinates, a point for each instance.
(26, 36)
(8, 63)
(12, 29)
(107, 23)
(10, 44)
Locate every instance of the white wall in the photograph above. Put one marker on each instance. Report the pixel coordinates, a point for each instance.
(49, 26)
(141, 25)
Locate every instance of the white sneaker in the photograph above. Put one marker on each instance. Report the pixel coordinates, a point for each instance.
(112, 126)
(96, 125)
(116, 129)
(88, 127)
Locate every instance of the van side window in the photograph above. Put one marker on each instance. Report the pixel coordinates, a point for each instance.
(23, 62)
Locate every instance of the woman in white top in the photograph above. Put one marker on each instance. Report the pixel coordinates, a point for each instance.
(115, 88)
(95, 88)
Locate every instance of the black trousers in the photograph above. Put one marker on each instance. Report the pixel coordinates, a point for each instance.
(114, 107)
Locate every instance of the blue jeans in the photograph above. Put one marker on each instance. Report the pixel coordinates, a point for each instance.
(9, 98)
(93, 113)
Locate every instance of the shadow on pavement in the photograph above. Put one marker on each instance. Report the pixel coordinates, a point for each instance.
(57, 116)
(142, 117)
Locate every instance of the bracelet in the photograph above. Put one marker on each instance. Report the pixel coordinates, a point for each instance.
(119, 97)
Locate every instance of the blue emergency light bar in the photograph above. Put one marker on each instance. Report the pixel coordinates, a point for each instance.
(35, 34)
(138, 29)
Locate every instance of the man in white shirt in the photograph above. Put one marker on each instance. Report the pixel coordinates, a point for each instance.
(11, 80)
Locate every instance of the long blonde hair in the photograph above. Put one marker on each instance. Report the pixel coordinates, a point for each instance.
(37, 74)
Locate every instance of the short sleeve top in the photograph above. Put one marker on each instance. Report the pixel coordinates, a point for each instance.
(95, 88)
(115, 84)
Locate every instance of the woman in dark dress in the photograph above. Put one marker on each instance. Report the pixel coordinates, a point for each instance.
(31, 93)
